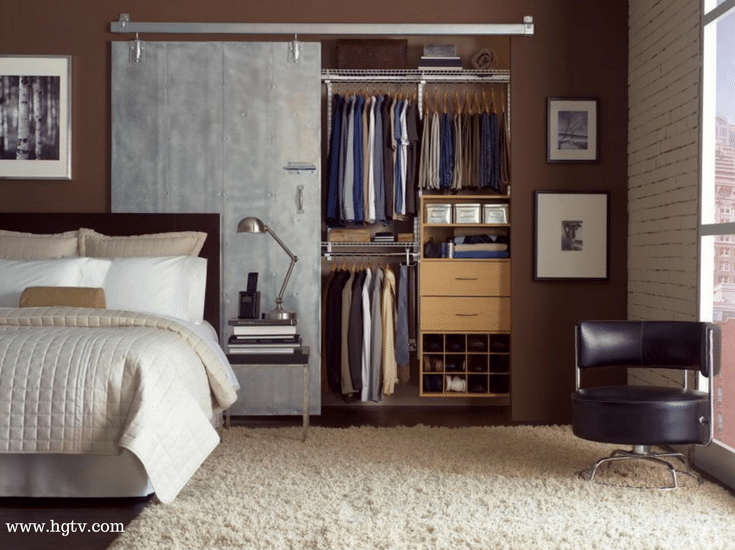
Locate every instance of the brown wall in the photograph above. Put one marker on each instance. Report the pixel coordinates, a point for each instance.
(579, 49)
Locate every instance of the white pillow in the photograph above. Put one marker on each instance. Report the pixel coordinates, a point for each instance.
(17, 275)
(172, 285)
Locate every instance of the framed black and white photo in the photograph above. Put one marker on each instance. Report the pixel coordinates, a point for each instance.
(35, 117)
(572, 130)
(571, 235)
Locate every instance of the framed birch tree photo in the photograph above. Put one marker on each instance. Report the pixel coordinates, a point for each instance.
(35, 117)
(572, 131)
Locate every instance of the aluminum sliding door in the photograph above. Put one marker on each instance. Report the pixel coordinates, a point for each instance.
(214, 127)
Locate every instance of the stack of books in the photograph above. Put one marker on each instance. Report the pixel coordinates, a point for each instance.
(263, 336)
(440, 56)
(384, 237)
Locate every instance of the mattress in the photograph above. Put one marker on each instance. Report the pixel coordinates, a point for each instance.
(76, 381)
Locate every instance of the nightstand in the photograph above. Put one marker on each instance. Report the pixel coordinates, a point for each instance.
(298, 359)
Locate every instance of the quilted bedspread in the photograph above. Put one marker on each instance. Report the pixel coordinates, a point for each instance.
(76, 380)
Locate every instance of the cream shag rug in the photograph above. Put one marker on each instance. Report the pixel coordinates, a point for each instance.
(427, 488)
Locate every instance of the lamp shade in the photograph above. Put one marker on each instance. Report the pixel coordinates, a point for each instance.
(251, 225)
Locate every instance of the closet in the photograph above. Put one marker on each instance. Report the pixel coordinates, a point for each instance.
(459, 308)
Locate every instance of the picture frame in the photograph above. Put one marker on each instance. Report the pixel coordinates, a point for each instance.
(571, 235)
(572, 130)
(35, 117)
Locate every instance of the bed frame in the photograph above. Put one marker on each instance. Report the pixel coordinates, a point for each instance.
(60, 475)
(136, 224)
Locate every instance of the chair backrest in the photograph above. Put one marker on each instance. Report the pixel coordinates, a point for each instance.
(651, 344)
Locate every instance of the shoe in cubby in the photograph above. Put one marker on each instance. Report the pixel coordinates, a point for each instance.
(454, 363)
(500, 343)
(455, 343)
(455, 384)
(433, 342)
(477, 342)
(477, 384)
(477, 363)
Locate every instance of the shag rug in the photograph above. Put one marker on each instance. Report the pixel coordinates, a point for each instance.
(428, 488)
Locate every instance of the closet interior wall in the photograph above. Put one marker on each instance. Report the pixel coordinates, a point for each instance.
(435, 91)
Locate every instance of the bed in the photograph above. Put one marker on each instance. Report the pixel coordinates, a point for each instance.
(112, 380)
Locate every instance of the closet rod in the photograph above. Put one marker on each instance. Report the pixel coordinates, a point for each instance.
(416, 76)
(125, 25)
(333, 255)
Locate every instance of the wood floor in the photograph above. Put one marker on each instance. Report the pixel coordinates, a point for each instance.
(110, 511)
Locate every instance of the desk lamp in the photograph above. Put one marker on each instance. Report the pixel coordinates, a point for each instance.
(255, 225)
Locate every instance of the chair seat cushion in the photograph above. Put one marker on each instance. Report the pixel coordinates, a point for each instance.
(640, 415)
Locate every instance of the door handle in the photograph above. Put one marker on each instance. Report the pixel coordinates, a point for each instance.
(299, 199)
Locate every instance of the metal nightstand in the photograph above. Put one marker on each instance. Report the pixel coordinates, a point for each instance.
(298, 359)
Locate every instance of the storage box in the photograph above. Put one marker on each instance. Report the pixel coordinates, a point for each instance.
(467, 213)
(438, 213)
(355, 53)
(494, 213)
(348, 236)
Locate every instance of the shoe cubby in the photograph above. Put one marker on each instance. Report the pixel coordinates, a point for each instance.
(459, 364)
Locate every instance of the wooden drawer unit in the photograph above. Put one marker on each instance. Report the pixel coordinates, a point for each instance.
(465, 278)
(465, 314)
(464, 299)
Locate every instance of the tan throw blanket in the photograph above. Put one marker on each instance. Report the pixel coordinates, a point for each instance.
(77, 380)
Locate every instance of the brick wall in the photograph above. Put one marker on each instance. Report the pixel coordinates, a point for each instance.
(663, 137)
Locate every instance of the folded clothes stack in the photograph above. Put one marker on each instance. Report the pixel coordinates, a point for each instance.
(481, 246)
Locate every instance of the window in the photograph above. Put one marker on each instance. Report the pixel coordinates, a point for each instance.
(717, 214)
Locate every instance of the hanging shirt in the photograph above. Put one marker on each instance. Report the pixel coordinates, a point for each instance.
(346, 377)
(358, 188)
(402, 352)
(458, 168)
(388, 156)
(412, 153)
(396, 144)
(349, 164)
(378, 162)
(494, 154)
(388, 314)
(355, 335)
(367, 290)
(365, 155)
(446, 159)
(485, 151)
(424, 181)
(504, 151)
(333, 330)
(376, 341)
(371, 187)
(403, 150)
(333, 162)
(466, 150)
(435, 151)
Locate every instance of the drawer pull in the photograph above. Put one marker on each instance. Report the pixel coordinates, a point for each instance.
(467, 314)
(466, 279)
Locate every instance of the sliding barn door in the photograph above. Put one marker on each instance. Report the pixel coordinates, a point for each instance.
(219, 127)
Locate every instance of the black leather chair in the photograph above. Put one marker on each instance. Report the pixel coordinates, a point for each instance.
(645, 416)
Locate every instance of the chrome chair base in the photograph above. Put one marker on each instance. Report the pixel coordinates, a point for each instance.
(643, 452)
